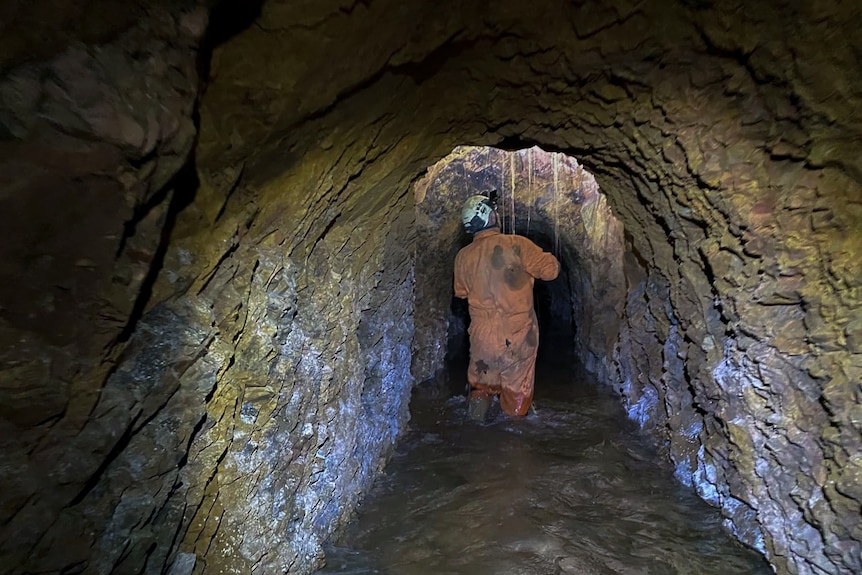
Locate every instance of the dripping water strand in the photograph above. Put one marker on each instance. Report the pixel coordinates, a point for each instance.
(530, 196)
(556, 206)
(487, 179)
(512, 191)
(502, 189)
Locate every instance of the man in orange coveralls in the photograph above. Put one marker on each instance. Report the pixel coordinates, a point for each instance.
(496, 273)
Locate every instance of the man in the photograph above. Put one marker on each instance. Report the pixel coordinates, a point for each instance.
(496, 273)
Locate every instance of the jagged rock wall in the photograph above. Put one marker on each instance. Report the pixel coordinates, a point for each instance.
(226, 413)
(309, 399)
(726, 137)
(86, 172)
(245, 415)
(92, 140)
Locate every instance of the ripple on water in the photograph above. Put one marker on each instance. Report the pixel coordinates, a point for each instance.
(572, 489)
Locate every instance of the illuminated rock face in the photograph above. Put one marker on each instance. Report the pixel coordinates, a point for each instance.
(212, 382)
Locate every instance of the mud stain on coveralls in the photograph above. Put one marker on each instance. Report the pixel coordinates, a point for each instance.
(497, 258)
(515, 277)
(531, 338)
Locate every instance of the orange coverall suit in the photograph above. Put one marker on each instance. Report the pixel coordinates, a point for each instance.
(496, 273)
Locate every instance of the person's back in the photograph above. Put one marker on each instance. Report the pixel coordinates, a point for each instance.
(496, 273)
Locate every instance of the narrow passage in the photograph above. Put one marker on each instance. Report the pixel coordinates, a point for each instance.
(571, 489)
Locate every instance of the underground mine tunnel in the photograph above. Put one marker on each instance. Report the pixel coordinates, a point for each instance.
(545, 197)
(211, 313)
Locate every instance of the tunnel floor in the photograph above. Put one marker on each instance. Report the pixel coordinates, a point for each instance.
(572, 488)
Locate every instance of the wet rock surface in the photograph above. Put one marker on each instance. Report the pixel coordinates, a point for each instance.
(725, 137)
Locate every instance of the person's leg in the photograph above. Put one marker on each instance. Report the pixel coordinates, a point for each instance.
(478, 404)
(517, 386)
(487, 352)
(482, 390)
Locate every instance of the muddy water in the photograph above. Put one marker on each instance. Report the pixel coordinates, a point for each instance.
(571, 489)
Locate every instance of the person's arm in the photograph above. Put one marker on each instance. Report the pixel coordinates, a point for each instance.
(538, 263)
(460, 286)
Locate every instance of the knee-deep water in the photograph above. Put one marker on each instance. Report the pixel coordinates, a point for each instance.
(573, 488)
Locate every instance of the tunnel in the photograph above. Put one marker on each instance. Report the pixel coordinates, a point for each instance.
(212, 311)
(546, 197)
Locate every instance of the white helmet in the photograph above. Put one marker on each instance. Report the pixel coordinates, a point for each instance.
(476, 212)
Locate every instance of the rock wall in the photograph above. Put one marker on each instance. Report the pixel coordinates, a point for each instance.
(94, 139)
(726, 137)
(245, 415)
(228, 412)
(307, 402)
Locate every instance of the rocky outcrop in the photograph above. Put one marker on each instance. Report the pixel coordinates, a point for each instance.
(725, 137)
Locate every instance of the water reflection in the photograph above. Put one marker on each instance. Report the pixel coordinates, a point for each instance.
(572, 489)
